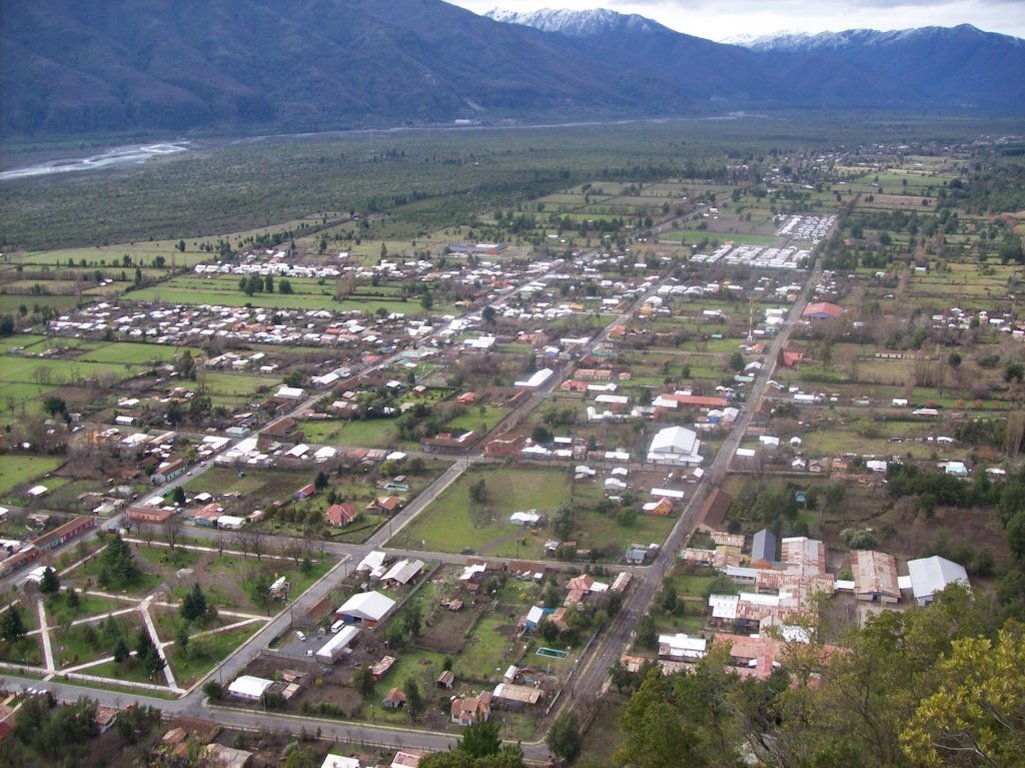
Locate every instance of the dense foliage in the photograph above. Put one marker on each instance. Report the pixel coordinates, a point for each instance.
(927, 686)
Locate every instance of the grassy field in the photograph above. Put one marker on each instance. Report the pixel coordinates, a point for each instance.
(453, 524)
(19, 468)
(223, 290)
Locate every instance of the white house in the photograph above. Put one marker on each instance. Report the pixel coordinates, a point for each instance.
(675, 445)
(248, 687)
(930, 575)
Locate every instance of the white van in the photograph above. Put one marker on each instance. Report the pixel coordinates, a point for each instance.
(337, 627)
(300, 635)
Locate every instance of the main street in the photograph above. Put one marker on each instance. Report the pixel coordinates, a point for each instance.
(592, 673)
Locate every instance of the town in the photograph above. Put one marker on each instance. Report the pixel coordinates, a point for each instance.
(320, 491)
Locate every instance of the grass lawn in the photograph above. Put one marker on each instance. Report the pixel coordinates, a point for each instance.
(85, 643)
(130, 670)
(603, 737)
(58, 611)
(91, 571)
(19, 468)
(449, 525)
(28, 650)
(220, 644)
(488, 652)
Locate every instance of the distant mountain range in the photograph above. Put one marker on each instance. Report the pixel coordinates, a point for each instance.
(69, 67)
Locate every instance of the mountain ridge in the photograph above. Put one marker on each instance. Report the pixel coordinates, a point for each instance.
(70, 68)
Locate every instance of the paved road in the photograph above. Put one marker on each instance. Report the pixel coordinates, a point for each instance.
(618, 636)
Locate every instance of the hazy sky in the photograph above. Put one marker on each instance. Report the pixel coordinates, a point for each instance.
(719, 19)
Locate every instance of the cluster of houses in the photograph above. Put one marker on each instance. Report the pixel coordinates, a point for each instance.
(779, 585)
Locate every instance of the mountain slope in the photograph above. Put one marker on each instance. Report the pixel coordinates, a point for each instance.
(72, 67)
(935, 65)
(931, 67)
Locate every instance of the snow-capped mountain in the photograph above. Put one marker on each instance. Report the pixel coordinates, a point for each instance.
(576, 23)
(869, 38)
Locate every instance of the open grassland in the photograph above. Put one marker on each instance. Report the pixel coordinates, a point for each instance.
(19, 468)
(307, 294)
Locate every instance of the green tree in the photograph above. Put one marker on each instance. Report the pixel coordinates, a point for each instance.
(670, 599)
(976, 717)
(121, 651)
(481, 739)
(321, 481)
(412, 619)
(415, 702)
(363, 681)
(284, 286)
(564, 736)
(12, 626)
(268, 283)
(213, 689)
(194, 605)
(50, 583)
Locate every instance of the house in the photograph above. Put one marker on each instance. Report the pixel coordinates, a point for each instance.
(468, 710)
(677, 446)
(305, 492)
(403, 571)
(367, 608)
(249, 688)
(105, 718)
(662, 507)
(638, 554)
(713, 511)
(168, 470)
(142, 513)
(341, 514)
(387, 504)
(337, 761)
(930, 575)
(533, 618)
(822, 310)
(394, 699)
(763, 549)
(446, 680)
(875, 577)
(447, 442)
(681, 647)
(219, 756)
(406, 759)
(516, 697)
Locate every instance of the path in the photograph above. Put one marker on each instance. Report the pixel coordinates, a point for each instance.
(47, 648)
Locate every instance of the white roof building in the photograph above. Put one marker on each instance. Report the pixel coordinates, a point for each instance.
(403, 571)
(537, 379)
(930, 575)
(681, 647)
(675, 445)
(337, 761)
(248, 687)
(367, 606)
(337, 644)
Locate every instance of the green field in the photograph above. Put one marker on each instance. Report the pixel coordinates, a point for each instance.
(308, 293)
(452, 524)
(20, 469)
